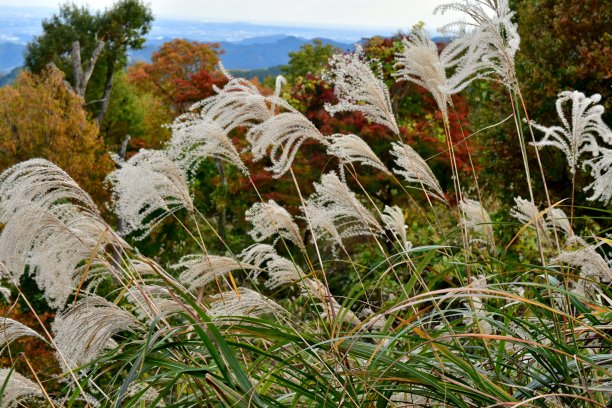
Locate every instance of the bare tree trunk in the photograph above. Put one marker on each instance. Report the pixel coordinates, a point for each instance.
(110, 74)
(81, 78)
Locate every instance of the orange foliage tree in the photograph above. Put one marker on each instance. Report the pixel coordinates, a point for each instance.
(42, 117)
(182, 72)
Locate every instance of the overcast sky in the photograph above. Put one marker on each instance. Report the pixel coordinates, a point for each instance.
(389, 14)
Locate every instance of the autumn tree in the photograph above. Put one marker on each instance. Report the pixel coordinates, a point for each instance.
(41, 117)
(182, 72)
(90, 47)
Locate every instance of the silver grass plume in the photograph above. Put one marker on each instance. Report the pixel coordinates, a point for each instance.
(528, 214)
(269, 219)
(492, 28)
(18, 388)
(557, 219)
(11, 330)
(415, 170)
(476, 218)
(601, 170)
(593, 267)
(60, 245)
(393, 218)
(283, 272)
(249, 303)
(359, 89)
(334, 309)
(314, 288)
(283, 134)
(151, 301)
(146, 189)
(257, 255)
(40, 182)
(52, 225)
(238, 104)
(335, 213)
(83, 331)
(352, 148)
(578, 134)
(477, 308)
(200, 270)
(421, 63)
(404, 399)
(193, 143)
(5, 293)
(145, 392)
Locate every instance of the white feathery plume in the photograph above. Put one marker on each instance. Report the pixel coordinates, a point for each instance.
(578, 134)
(142, 268)
(492, 28)
(11, 330)
(258, 254)
(421, 63)
(83, 331)
(18, 388)
(151, 301)
(557, 219)
(269, 219)
(60, 245)
(315, 288)
(359, 89)
(40, 182)
(249, 303)
(52, 225)
(476, 218)
(393, 218)
(404, 399)
(528, 214)
(5, 293)
(352, 148)
(200, 270)
(415, 170)
(593, 268)
(477, 307)
(146, 189)
(601, 170)
(238, 104)
(282, 272)
(334, 212)
(283, 134)
(145, 393)
(192, 144)
(344, 314)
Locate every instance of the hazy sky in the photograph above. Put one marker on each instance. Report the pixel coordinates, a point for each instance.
(390, 14)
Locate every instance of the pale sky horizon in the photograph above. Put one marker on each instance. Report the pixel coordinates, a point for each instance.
(387, 14)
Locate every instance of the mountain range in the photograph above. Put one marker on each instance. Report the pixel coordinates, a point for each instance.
(245, 45)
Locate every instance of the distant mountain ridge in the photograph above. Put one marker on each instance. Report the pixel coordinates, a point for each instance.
(252, 53)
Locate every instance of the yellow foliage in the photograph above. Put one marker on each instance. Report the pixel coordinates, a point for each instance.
(40, 116)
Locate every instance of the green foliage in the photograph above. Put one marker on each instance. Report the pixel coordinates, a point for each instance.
(564, 46)
(309, 59)
(132, 112)
(121, 27)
